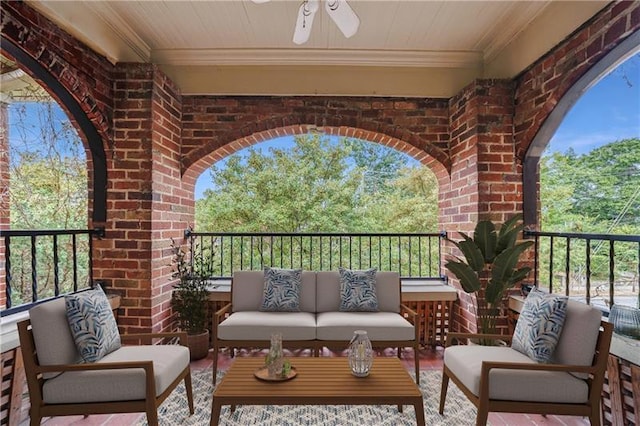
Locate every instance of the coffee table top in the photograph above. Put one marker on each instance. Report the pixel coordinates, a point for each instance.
(320, 378)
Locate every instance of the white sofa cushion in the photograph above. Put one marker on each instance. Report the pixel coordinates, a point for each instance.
(52, 336)
(119, 385)
(328, 291)
(513, 385)
(247, 289)
(380, 326)
(256, 325)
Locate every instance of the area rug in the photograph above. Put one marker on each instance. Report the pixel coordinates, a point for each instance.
(458, 410)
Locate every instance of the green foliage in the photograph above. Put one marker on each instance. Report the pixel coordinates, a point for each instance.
(596, 192)
(47, 190)
(317, 186)
(490, 263)
(189, 299)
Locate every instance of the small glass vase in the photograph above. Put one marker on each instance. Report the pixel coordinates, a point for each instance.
(625, 320)
(360, 354)
(275, 358)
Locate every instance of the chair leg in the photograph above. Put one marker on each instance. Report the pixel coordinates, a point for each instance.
(443, 391)
(594, 417)
(416, 361)
(188, 387)
(215, 364)
(483, 415)
(152, 417)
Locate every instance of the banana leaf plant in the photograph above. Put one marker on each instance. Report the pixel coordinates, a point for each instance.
(491, 263)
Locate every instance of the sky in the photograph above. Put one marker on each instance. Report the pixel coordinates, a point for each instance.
(607, 112)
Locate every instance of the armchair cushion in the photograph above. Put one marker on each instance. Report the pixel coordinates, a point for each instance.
(92, 324)
(465, 362)
(51, 335)
(538, 329)
(119, 385)
(358, 291)
(281, 290)
(579, 336)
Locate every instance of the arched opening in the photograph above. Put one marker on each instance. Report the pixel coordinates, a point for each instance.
(98, 170)
(531, 194)
(317, 183)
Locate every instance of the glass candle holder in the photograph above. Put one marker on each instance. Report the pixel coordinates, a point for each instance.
(360, 354)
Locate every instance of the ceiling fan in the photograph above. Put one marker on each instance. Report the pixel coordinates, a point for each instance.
(338, 10)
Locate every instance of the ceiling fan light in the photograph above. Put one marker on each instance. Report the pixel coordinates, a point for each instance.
(343, 16)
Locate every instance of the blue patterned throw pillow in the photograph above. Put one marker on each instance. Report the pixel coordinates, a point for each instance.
(92, 324)
(539, 325)
(358, 291)
(281, 290)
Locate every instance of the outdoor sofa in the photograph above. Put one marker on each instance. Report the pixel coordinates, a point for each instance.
(320, 322)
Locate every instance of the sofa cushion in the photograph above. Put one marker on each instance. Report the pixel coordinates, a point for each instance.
(558, 387)
(539, 325)
(387, 290)
(380, 326)
(247, 289)
(52, 336)
(358, 291)
(119, 385)
(579, 336)
(281, 290)
(256, 325)
(92, 324)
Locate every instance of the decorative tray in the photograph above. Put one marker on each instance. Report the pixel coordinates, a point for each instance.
(263, 374)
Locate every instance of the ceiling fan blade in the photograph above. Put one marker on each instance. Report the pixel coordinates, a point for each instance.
(304, 22)
(260, 1)
(343, 16)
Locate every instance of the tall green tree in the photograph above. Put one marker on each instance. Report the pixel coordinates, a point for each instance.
(319, 186)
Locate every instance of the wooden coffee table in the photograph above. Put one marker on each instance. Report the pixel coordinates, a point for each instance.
(319, 381)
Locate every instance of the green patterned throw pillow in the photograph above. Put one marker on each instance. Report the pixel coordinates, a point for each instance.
(358, 291)
(281, 290)
(539, 325)
(92, 324)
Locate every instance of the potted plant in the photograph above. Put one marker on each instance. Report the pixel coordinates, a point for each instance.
(490, 265)
(189, 300)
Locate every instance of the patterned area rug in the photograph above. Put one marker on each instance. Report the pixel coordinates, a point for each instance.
(458, 410)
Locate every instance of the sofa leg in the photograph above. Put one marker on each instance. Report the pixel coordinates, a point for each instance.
(215, 363)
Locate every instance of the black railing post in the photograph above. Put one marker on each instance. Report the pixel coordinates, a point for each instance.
(567, 266)
(34, 271)
(611, 272)
(56, 277)
(7, 269)
(588, 272)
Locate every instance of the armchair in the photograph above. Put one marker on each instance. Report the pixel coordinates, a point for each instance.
(501, 379)
(135, 378)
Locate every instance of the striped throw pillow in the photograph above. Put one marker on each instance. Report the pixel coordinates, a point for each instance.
(281, 290)
(92, 324)
(539, 325)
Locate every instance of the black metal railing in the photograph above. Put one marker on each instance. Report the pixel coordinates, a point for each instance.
(412, 255)
(600, 269)
(42, 264)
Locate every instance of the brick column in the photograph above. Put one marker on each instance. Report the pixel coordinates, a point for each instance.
(146, 205)
(485, 179)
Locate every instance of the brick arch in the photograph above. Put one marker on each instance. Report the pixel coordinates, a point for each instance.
(35, 43)
(198, 166)
(547, 82)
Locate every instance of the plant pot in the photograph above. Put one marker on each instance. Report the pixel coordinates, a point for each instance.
(198, 345)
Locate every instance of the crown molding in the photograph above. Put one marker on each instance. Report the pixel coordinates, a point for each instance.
(383, 58)
(120, 29)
